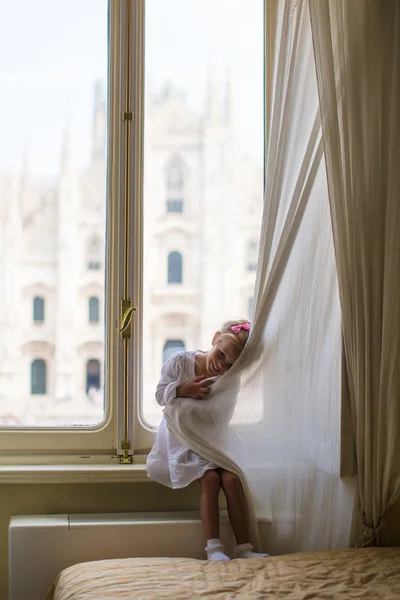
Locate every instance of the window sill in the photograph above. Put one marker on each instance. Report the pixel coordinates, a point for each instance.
(72, 473)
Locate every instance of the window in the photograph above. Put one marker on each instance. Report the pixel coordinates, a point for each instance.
(171, 347)
(92, 375)
(94, 260)
(117, 207)
(59, 227)
(175, 188)
(175, 178)
(174, 267)
(93, 310)
(252, 256)
(38, 377)
(174, 206)
(203, 159)
(38, 309)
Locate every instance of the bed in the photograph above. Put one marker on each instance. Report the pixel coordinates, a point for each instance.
(362, 573)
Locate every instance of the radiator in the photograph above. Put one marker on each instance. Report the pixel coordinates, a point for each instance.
(40, 546)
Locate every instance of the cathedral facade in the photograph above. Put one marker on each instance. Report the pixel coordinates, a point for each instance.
(202, 209)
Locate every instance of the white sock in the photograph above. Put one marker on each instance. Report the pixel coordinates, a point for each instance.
(246, 551)
(215, 550)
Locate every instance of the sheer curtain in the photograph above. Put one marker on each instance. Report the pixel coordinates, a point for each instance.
(357, 51)
(275, 417)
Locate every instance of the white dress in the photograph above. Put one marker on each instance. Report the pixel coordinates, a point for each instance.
(170, 462)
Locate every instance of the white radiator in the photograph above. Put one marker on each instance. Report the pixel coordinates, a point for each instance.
(40, 546)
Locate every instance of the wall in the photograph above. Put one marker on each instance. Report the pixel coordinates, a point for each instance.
(81, 498)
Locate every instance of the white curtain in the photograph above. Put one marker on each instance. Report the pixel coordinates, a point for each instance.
(276, 415)
(357, 52)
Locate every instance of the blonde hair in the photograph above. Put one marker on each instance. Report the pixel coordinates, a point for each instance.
(237, 339)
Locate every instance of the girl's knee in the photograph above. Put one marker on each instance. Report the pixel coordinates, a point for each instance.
(231, 482)
(211, 480)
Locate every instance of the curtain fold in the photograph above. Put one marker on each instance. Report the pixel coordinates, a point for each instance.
(274, 417)
(357, 54)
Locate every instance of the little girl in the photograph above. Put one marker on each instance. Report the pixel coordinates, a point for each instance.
(189, 375)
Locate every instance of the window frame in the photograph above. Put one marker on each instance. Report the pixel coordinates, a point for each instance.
(174, 278)
(93, 310)
(175, 186)
(41, 309)
(103, 438)
(144, 432)
(123, 418)
(93, 259)
(38, 362)
(174, 206)
(98, 364)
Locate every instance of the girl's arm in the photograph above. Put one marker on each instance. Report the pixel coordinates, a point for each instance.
(170, 379)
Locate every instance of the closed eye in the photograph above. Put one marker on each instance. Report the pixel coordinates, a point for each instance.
(222, 357)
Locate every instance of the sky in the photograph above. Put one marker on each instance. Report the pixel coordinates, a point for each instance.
(52, 51)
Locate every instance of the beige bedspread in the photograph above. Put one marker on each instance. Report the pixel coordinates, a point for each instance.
(368, 573)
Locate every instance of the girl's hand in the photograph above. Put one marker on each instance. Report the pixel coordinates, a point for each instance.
(197, 389)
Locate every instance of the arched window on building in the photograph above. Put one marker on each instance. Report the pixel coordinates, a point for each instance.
(175, 189)
(38, 377)
(252, 256)
(94, 254)
(92, 375)
(171, 347)
(174, 267)
(94, 310)
(38, 309)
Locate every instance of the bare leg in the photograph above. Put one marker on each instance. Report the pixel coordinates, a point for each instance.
(210, 486)
(236, 503)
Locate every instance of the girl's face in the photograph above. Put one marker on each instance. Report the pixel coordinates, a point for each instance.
(222, 356)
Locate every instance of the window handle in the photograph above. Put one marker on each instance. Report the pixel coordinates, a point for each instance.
(127, 311)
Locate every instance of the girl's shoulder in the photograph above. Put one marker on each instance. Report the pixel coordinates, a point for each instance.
(185, 356)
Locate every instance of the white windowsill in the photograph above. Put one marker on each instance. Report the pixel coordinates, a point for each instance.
(20, 471)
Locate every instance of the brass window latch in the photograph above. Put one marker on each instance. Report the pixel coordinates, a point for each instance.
(126, 458)
(127, 311)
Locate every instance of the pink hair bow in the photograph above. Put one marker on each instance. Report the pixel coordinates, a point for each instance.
(237, 328)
